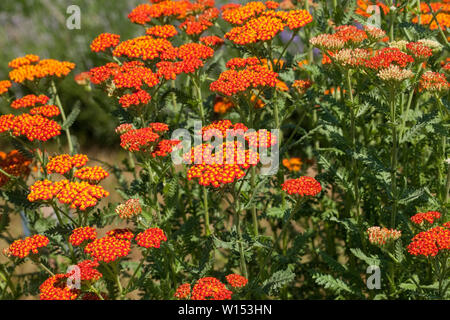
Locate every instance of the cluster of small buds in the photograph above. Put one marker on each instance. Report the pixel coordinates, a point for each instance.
(129, 209)
(434, 82)
(382, 236)
(303, 186)
(395, 74)
(151, 238)
(82, 234)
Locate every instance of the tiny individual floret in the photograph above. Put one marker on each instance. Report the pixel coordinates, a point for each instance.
(303, 186)
(151, 238)
(236, 280)
(382, 236)
(82, 234)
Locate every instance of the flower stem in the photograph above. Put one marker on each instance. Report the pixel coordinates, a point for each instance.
(206, 208)
(394, 153)
(63, 115)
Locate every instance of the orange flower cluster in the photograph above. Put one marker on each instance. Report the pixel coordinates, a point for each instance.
(105, 41)
(48, 111)
(151, 238)
(365, 7)
(138, 98)
(303, 186)
(223, 167)
(63, 163)
(91, 174)
(381, 236)
(33, 127)
(429, 216)
(293, 164)
(254, 23)
(21, 248)
(145, 48)
(210, 288)
(426, 18)
(121, 234)
(222, 105)
(55, 288)
(79, 195)
(211, 41)
(434, 82)
(234, 81)
(14, 164)
(82, 234)
(129, 209)
(88, 271)
(431, 242)
(108, 249)
(236, 280)
(164, 31)
(144, 13)
(23, 61)
(4, 86)
(30, 100)
(42, 69)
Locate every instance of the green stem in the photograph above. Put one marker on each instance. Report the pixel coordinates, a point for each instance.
(237, 222)
(144, 258)
(206, 208)
(63, 115)
(394, 155)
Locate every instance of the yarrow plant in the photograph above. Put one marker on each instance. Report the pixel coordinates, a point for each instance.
(263, 150)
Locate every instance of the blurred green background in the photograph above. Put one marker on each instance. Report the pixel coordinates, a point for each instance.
(39, 27)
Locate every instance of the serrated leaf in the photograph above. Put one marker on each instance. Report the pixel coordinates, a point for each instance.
(278, 280)
(71, 117)
(371, 260)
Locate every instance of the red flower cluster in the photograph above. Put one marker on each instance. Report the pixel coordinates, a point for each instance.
(91, 174)
(122, 234)
(82, 234)
(88, 271)
(386, 57)
(55, 288)
(236, 280)
(431, 242)
(419, 51)
(105, 41)
(210, 288)
(21, 248)
(434, 82)
(151, 238)
(145, 48)
(79, 195)
(30, 100)
(63, 163)
(33, 127)
(429, 216)
(303, 186)
(253, 76)
(49, 111)
(108, 249)
(183, 291)
(164, 31)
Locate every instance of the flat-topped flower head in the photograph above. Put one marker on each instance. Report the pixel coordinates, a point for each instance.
(105, 41)
(108, 249)
(56, 288)
(23, 61)
(394, 74)
(151, 238)
(293, 164)
(82, 234)
(236, 280)
(42, 69)
(164, 31)
(22, 248)
(32, 127)
(91, 174)
(429, 243)
(303, 186)
(63, 163)
(434, 82)
(129, 209)
(48, 111)
(210, 288)
(183, 291)
(429, 217)
(4, 86)
(419, 50)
